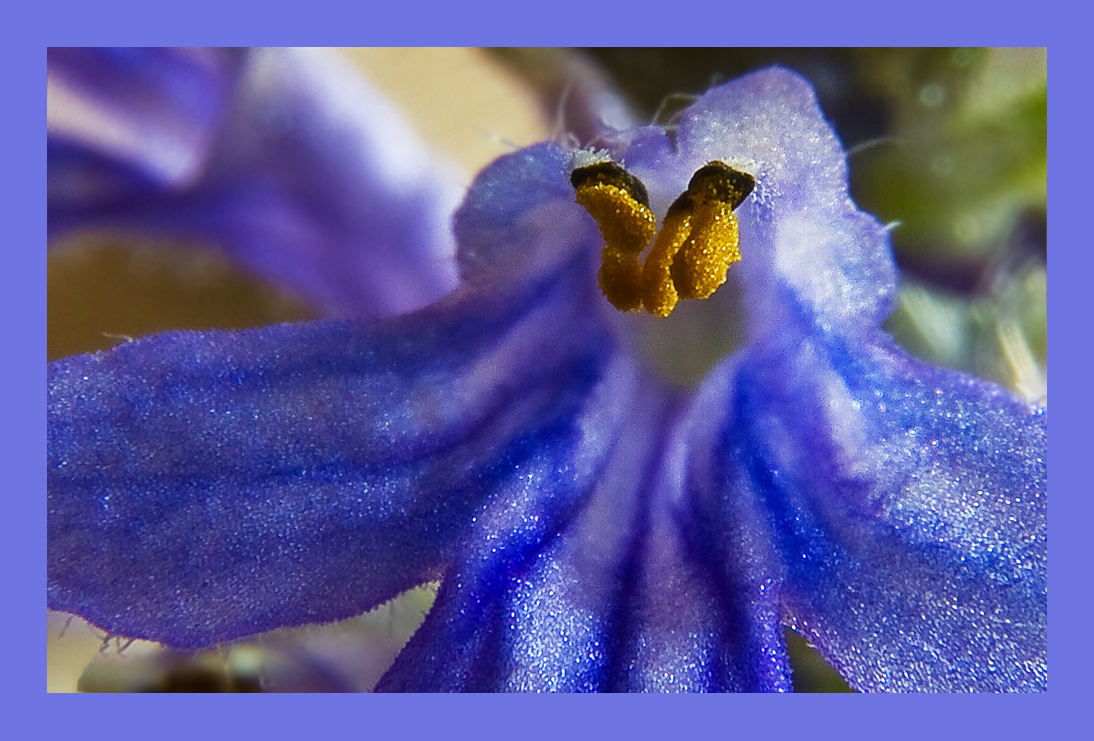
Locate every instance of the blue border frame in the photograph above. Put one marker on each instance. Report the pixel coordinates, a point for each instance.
(223, 22)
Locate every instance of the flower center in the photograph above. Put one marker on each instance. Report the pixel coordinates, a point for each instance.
(694, 249)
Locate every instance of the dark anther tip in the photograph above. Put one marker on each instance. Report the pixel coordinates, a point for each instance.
(726, 184)
(610, 173)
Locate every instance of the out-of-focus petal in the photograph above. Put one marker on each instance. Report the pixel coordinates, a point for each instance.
(906, 506)
(205, 486)
(312, 180)
(154, 111)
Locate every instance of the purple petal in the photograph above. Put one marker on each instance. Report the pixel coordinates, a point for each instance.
(154, 111)
(471, 640)
(208, 486)
(609, 596)
(520, 219)
(906, 506)
(594, 530)
(803, 241)
(310, 179)
(613, 596)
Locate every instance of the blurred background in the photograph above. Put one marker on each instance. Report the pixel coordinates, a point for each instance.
(946, 145)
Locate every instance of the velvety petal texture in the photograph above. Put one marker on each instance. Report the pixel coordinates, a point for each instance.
(204, 486)
(900, 511)
(611, 595)
(615, 597)
(803, 240)
(902, 500)
(291, 166)
(594, 528)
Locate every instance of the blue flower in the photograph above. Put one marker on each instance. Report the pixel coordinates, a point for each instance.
(594, 525)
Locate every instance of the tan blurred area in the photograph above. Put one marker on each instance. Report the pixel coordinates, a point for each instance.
(463, 104)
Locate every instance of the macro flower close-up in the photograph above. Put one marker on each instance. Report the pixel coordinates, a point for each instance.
(627, 399)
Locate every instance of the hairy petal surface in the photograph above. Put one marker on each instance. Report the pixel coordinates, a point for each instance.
(598, 589)
(899, 511)
(206, 486)
(594, 530)
(609, 595)
(282, 158)
(903, 511)
(799, 230)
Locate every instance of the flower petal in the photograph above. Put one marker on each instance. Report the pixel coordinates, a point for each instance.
(899, 510)
(607, 596)
(154, 111)
(520, 220)
(906, 506)
(802, 239)
(472, 639)
(309, 178)
(205, 486)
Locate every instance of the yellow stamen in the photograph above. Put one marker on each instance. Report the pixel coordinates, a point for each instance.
(703, 261)
(658, 292)
(702, 264)
(620, 279)
(618, 202)
(698, 241)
